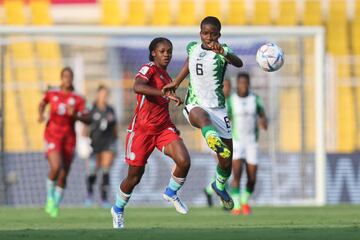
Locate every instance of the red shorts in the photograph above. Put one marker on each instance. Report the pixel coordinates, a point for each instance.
(64, 144)
(139, 146)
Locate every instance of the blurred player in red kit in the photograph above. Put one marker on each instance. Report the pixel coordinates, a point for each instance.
(66, 107)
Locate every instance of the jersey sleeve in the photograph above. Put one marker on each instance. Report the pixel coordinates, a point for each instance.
(145, 72)
(259, 105)
(82, 108)
(47, 97)
(227, 48)
(190, 47)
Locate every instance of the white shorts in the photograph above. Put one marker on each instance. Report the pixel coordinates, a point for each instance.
(247, 152)
(218, 118)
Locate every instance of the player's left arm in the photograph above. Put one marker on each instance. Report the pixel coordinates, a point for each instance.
(262, 120)
(82, 114)
(228, 54)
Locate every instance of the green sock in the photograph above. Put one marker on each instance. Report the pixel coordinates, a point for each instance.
(235, 195)
(208, 130)
(50, 188)
(245, 195)
(58, 195)
(221, 177)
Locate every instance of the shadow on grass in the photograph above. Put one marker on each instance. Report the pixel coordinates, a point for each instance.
(350, 233)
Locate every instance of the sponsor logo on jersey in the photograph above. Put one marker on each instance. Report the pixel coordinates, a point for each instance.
(55, 98)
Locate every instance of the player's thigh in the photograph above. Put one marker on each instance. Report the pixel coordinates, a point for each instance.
(178, 152)
(68, 150)
(252, 154)
(138, 148)
(106, 158)
(221, 122)
(197, 116)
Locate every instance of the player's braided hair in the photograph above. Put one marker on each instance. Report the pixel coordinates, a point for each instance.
(68, 69)
(154, 44)
(212, 21)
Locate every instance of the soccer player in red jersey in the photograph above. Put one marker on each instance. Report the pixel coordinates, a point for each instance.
(65, 108)
(152, 127)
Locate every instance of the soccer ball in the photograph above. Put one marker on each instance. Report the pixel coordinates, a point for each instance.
(270, 57)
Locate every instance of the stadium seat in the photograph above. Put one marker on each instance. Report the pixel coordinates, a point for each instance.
(212, 8)
(262, 12)
(40, 12)
(161, 12)
(287, 13)
(111, 14)
(186, 13)
(14, 140)
(137, 13)
(14, 11)
(312, 13)
(237, 14)
(289, 109)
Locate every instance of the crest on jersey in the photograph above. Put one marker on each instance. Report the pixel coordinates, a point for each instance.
(55, 98)
(96, 116)
(202, 54)
(144, 70)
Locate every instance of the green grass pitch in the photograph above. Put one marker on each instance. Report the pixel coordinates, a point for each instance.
(331, 222)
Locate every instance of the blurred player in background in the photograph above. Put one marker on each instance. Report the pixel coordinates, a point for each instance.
(152, 127)
(103, 135)
(247, 114)
(208, 189)
(66, 107)
(205, 101)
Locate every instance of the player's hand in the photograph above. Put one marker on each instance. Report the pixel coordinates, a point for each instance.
(217, 48)
(41, 118)
(172, 96)
(170, 87)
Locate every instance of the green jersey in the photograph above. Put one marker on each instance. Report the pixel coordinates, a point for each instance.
(243, 113)
(207, 70)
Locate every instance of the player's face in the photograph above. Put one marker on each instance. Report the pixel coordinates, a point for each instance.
(209, 34)
(67, 79)
(243, 86)
(103, 95)
(162, 54)
(227, 88)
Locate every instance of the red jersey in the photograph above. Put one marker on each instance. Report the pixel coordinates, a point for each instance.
(60, 101)
(152, 112)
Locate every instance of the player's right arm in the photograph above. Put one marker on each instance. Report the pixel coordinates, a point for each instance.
(42, 106)
(179, 78)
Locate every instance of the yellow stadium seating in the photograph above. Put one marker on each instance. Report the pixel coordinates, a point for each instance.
(14, 11)
(161, 12)
(262, 12)
(287, 13)
(186, 13)
(212, 8)
(312, 12)
(290, 120)
(110, 12)
(40, 12)
(237, 14)
(14, 139)
(137, 13)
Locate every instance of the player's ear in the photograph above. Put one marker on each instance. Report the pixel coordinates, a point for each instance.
(153, 53)
(219, 35)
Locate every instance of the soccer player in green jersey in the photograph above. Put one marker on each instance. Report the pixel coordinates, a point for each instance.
(205, 101)
(247, 113)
